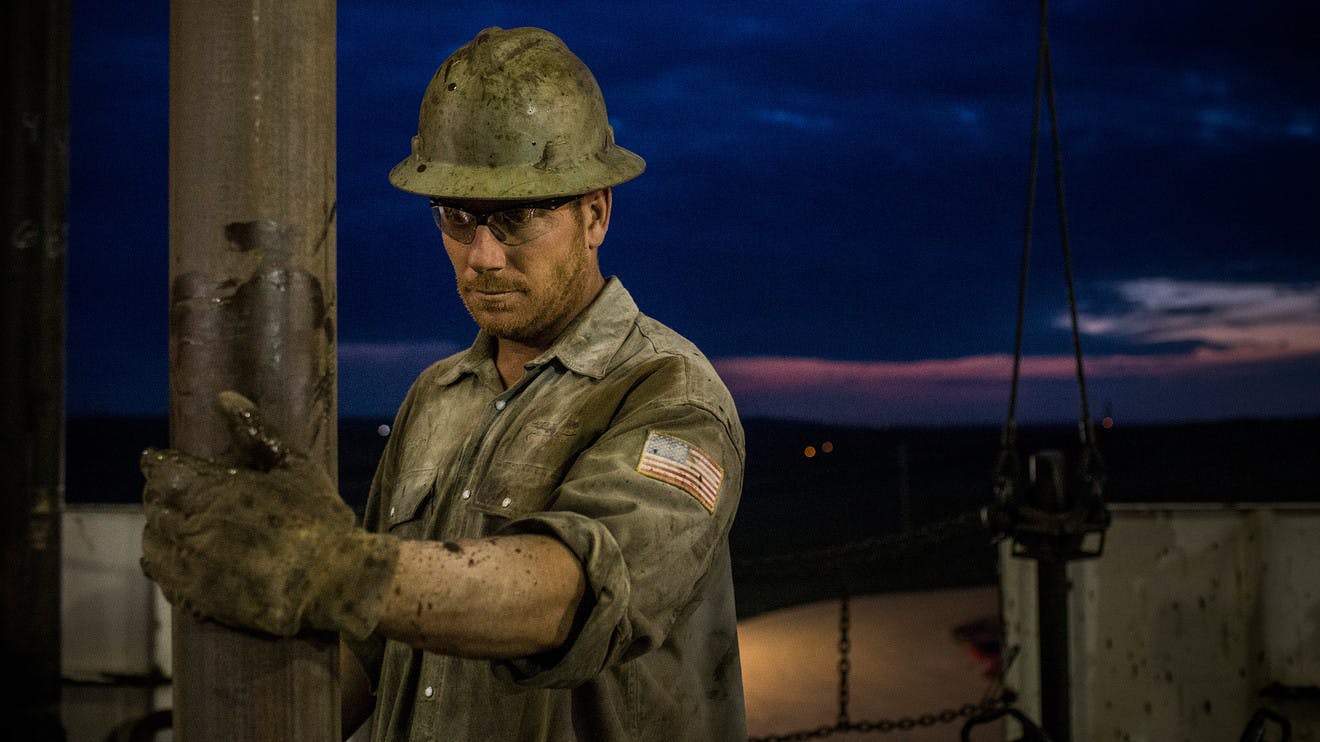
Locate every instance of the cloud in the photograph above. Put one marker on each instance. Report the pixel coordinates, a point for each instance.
(1250, 349)
(1302, 127)
(1252, 320)
(793, 119)
(1239, 337)
(1217, 123)
(770, 374)
(1205, 383)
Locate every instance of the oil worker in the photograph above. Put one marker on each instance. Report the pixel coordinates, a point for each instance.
(544, 552)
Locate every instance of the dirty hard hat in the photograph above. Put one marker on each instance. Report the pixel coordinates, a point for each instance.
(513, 115)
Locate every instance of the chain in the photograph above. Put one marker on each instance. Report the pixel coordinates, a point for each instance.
(845, 621)
(902, 723)
(996, 698)
(958, 526)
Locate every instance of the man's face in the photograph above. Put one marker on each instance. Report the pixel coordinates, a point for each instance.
(529, 292)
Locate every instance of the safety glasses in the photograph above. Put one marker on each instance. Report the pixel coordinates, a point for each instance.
(513, 225)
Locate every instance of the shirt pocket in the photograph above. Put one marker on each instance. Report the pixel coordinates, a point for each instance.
(513, 489)
(406, 516)
(529, 464)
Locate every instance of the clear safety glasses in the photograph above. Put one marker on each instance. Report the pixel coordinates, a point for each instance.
(512, 225)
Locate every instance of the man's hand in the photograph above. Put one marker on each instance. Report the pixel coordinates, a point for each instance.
(274, 550)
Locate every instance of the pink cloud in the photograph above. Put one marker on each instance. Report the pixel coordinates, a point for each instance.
(974, 389)
(771, 373)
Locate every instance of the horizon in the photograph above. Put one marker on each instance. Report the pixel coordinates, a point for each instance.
(1100, 422)
(1222, 461)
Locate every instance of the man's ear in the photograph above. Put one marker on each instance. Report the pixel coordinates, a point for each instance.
(596, 215)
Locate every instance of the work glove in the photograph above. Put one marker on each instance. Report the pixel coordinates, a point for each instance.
(271, 548)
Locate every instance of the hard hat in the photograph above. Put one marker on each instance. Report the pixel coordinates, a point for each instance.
(513, 115)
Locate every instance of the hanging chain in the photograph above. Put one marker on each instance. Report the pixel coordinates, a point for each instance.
(994, 699)
(959, 526)
(844, 664)
(884, 726)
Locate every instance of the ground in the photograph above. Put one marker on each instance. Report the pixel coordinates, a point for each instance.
(911, 653)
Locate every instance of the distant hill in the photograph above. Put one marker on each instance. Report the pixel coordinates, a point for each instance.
(907, 497)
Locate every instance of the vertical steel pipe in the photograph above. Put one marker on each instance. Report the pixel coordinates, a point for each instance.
(35, 137)
(1055, 668)
(252, 308)
(1049, 492)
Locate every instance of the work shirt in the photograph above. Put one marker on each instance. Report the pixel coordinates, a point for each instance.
(621, 442)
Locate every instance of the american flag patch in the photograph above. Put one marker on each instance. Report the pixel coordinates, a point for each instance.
(683, 465)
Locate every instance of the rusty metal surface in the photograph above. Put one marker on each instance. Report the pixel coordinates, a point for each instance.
(252, 308)
(34, 136)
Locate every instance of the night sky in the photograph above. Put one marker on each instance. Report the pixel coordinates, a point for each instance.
(833, 205)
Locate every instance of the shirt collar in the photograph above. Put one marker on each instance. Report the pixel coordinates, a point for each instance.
(585, 347)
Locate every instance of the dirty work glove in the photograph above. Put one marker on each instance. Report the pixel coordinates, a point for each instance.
(274, 550)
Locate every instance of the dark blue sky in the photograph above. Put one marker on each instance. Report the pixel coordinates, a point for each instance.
(832, 208)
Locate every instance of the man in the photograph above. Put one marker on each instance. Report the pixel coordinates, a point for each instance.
(545, 546)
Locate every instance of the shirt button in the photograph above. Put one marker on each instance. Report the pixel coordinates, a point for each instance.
(499, 404)
(506, 502)
(466, 494)
(429, 691)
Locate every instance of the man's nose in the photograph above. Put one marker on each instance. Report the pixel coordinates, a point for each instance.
(486, 253)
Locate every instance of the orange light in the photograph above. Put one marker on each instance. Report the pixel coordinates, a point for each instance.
(809, 451)
(827, 447)
(1107, 423)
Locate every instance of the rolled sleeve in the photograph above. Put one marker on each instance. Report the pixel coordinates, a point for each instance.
(645, 544)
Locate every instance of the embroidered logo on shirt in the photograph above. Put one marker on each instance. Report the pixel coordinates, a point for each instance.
(683, 465)
(540, 431)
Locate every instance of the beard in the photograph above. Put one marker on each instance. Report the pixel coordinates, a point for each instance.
(536, 311)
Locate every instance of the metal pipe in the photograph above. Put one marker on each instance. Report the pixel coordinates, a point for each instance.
(35, 136)
(252, 308)
(1055, 671)
(1049, 492)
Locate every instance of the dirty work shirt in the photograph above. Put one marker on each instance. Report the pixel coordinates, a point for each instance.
(623, 443)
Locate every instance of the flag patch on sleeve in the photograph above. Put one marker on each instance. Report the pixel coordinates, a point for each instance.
(683, 465)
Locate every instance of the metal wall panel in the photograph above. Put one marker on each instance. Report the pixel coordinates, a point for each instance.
(1193, 618)
(115, 624)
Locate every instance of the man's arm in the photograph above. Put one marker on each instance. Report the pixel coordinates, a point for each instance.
(499, 597)
(276, 549)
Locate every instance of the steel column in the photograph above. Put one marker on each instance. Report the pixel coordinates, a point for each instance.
(252, 308)
(35, 138)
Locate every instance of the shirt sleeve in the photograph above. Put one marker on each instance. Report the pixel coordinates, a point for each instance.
(644, 509)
